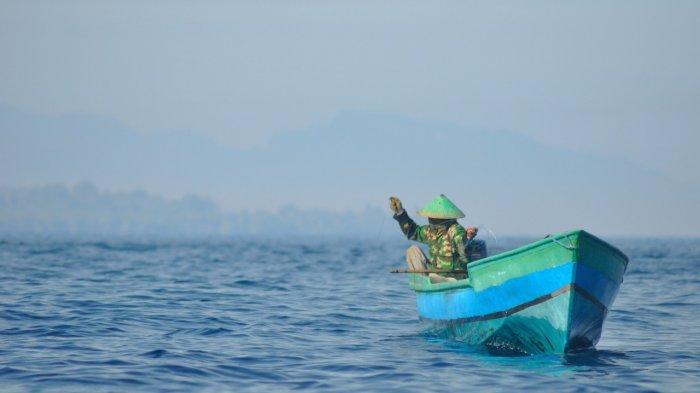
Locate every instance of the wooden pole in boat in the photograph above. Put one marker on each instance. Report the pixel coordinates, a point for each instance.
(457, 271)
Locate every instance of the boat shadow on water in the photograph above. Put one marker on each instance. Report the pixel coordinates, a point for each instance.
(496, 355)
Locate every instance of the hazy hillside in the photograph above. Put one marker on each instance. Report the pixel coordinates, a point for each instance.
(85, 211)
(502, 179)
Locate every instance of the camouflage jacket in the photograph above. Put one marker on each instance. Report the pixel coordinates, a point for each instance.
(445, 242)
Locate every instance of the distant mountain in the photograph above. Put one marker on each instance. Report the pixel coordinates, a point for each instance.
(504, 180)
(85, 211)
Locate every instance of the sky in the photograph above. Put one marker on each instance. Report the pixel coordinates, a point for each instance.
(617, 79)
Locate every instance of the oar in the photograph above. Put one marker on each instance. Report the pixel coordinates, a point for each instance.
(457, 271)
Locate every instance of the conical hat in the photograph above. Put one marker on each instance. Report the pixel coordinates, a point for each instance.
(442, 208)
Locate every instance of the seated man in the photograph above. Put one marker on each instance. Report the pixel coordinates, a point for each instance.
(443, 235)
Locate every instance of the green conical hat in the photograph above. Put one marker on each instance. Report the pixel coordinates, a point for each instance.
(442, 208)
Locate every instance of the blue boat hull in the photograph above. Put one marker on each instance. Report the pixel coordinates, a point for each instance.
(556, 309)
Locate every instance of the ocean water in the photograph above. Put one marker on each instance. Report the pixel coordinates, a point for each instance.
(305, 314)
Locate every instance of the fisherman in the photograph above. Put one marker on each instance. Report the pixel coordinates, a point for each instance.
(444, 236)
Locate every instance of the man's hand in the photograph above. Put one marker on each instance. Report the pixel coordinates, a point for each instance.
(471, 232)
(395, 205)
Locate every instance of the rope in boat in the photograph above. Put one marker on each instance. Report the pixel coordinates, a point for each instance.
(569, 247)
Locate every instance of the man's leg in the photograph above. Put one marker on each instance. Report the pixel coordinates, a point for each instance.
(416, 259)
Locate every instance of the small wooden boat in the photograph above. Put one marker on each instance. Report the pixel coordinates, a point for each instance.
(548, 296)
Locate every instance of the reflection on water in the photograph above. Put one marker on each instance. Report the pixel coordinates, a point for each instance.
(590, 361)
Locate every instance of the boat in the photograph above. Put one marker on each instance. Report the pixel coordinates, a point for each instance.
(550, 296)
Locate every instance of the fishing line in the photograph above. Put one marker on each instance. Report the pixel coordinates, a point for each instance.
(493, 235)
(381, 227)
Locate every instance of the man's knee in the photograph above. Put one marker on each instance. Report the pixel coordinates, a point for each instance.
(415, 258)
(415, 255)
(414, 252)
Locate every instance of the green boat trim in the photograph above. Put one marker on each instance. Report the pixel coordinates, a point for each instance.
(545, 253)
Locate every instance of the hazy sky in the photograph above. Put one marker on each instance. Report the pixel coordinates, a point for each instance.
(614, 77)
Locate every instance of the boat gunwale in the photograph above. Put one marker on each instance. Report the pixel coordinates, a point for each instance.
(549, 239)
(466, 283)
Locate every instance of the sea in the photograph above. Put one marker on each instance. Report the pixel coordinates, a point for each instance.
(317, 314)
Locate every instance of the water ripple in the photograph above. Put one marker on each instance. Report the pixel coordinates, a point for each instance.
(304, 315)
